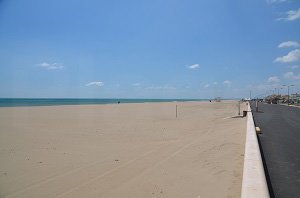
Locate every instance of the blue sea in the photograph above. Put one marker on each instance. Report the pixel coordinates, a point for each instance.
(16, 102)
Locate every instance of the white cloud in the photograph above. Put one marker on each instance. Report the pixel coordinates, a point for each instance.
(95, 83)
(292, 56)
(206, 86)
(227, 82)
(50, 66)
(289, 44)
(294, 66)
(291, 15)
(215, 83)
(136, 84)
(166, 87)
(194, 66)
(273, 79)
(276, 1)
(291, 76)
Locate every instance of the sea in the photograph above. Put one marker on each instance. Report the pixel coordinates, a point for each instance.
(17, 102)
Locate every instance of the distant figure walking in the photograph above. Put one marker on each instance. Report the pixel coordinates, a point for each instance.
(119, 102)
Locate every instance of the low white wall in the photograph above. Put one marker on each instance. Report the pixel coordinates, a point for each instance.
(254, 179)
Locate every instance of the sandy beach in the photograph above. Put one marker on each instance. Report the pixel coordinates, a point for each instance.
(125, 150)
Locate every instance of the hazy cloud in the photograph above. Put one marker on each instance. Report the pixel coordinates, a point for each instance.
(166, 87)
(292, 56)
(291, 76)
(50, 66)
(294, 66)
(267, 86)
(194, 66)
(273, 79)
(95, 83)
(227, 82)
(289, 44)
(206, 86)
(136, 84)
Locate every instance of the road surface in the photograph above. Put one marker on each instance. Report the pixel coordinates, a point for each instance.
(280, 144)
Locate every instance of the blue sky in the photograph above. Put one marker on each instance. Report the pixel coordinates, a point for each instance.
(148, 49)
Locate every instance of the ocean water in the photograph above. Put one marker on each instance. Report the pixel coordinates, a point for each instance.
(16, 102)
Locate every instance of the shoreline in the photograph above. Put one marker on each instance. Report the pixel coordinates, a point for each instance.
(28, 102)
(121, 103)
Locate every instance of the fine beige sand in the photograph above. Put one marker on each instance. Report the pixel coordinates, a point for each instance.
(126, 150)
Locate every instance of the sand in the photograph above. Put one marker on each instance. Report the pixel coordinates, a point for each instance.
(125, 150)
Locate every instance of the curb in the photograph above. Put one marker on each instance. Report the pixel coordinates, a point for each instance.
(254, 182)
(297, 106)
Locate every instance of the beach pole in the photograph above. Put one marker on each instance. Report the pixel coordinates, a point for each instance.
(239, 107)
(176, 110)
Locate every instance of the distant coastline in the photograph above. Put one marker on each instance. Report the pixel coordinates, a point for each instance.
(18, 102)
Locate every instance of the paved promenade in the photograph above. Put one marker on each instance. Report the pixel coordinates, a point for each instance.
(280, 144)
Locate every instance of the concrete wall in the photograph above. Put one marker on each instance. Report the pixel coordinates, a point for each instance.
(254, 179)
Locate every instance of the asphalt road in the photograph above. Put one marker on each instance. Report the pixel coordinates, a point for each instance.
(280, 144)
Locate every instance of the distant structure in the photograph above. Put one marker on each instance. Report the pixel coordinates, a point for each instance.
(275, 99)
(296, 97)
(218, 99)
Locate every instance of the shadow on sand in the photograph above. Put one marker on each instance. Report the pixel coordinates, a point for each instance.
(238, 116)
